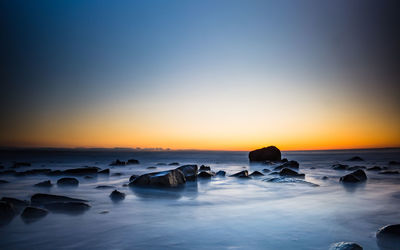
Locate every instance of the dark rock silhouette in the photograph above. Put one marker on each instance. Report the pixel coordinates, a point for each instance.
(388, 237)
(345, 246)
(44, 184)
(325, 177)
(205, 168)
(69, 207)
(340, 166)
(394, 163)
(170, 178)
(206, 174)
(132, 161)
(32, 214)
(220, 173)
(117, 174)
(355, 158)
(17, 204)
(190, 171)
(151, 167)
(290, 172)
(356, 176)
(270, 153)
(291, 180)
(7, 213)
(40, 199)
(68, 182)
(241, 174)
(174, 164)
(256, 173)
(104, 171)
(104, 187)
(117, 196)
(289, 164)
(118, 163)
(134, 176)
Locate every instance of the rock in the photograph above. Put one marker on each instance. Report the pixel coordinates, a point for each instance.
(118, 163)
(117, 196)
(388, 237)
(374, 168)
(190, 172)
(290, 172)
(104, 187)
(17, 204)
(266, 170)
(116, 174)
(345, 246)
(33, 172)
(356, 168)
(44, 184)
(241, 174)
(355, 158)
(389, 172)
(171, 178)
(289, 164)
(221, 173)
(256, 173)
(21, 164)
(55, 173)
(151, 167)
(134, 176)
(3, 182)
(104, 171)
(356, 176)
(291, 180)
(81, 171)
(325, 177)
(205, 168)
(7, 213)
(340, 166)
(270, 153)
(174, 164)
(31, 214)
(132, 161)
(68, 182)
(394, 162)
(284, 160)
(206, 174)
(40, 199)
(69, 207)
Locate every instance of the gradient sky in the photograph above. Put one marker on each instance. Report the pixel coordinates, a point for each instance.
(231, 75)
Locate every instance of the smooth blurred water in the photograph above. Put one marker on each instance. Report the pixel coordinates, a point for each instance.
(221, 213)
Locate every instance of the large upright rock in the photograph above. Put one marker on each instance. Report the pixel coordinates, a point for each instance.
(270, 153)
(170, 178)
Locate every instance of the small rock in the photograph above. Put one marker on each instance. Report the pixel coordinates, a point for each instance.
(151, 167)
(340, 167)
(171, 178)
(270, 153)
(117, 196)
(345, 246)
(355, 158)
(104, 171)
(17, 203)
(190, 172)
(118, 163)
(256, 173)
(40, 199)
(31, 214)
(356, 176)
(289, 164)
(44, 184)
(116, 174)
(67, 181)
(220, 173)
(206, 174)
(204, 168)
(241, 174)
(174, 164)
(7, 213)
(290, 172)
(67, 207)
(133, 177)
(266, 170)
(325, 178)
(3, 182)
(132, 161)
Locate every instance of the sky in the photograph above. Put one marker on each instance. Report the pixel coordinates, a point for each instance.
(221, 75)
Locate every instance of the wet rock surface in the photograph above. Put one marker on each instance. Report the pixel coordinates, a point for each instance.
(171, 178)
(356, 176)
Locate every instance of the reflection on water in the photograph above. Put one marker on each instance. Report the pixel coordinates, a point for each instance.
(219, 213)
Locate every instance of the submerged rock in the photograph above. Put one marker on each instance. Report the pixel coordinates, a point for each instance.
(289, 164)
(132, 161)
(151, 167)
(170, 178)
(221, 173)
(290, 172)
(33, 172)
(44, 184)
(117, 196)
(256, 173)
(291, 180)
(190, 172)
(345, 246)
(69, 207)
(389, 172)
(104, 171)
(241, 174)
(270, 153)
(356, 176)
(355, 158)
(104, 187)
(40, 199)
(206, 174)
(117, 174)
(205, 168)
(7, 213)
(388, 237)
(266, 170)
(340, 167)
(32, 214)
(174, 164)
(68, 182)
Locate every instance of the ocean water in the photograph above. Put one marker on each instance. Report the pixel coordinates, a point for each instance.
(221, 213)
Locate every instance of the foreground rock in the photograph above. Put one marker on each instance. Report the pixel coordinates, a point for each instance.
(241, 174)
(270, 153)
(290, 172)
(356, 176)
(117, 196)
(190, 172)
(7, 213)
(32, 214)
(388, 237)
(171, 178)
(67, 207)
(44, 184)
(41, 199)
(345, 246)
(68, 182)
